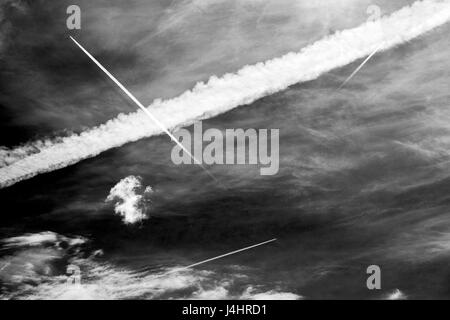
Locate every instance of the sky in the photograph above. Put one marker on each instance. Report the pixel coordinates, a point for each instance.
(158, 49)
(363, 171)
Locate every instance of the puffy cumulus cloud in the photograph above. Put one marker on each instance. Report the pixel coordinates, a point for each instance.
(128, 202)
(219, 95)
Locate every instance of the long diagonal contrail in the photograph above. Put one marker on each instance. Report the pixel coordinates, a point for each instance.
(141, 106)
(215, 258)
(359, 67)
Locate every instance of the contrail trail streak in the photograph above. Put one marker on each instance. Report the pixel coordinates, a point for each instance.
(6, 264)
(218, 257)
(141, 106)
(359, 68)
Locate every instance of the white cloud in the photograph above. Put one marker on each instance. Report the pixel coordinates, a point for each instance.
(33, 261)
(37, 239)
(396, 295)
(218, 293)
(251, 294)
(128, 203)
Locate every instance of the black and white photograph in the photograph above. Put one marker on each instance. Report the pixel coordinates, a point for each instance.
(200, 151)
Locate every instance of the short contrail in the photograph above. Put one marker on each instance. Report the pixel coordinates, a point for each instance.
(359, 68)
(140, 105)
(6, 264)
(218, 257)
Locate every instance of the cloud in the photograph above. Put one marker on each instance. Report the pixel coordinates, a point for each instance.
(251, 294)
(39, 272)
(39, 239)
(396, 295)
(218, 293)
(31, 258)
(128, 203)
(106, 282)
(219, 95)
(222, 293)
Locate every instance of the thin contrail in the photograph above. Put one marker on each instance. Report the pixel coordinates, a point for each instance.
(218, 257)
(141, 106)
(6, 264)
(359, 67)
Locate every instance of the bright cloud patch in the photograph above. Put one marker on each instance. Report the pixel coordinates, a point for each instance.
(37, 239)
(252, 294)
(396, 295)
(129, 199)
